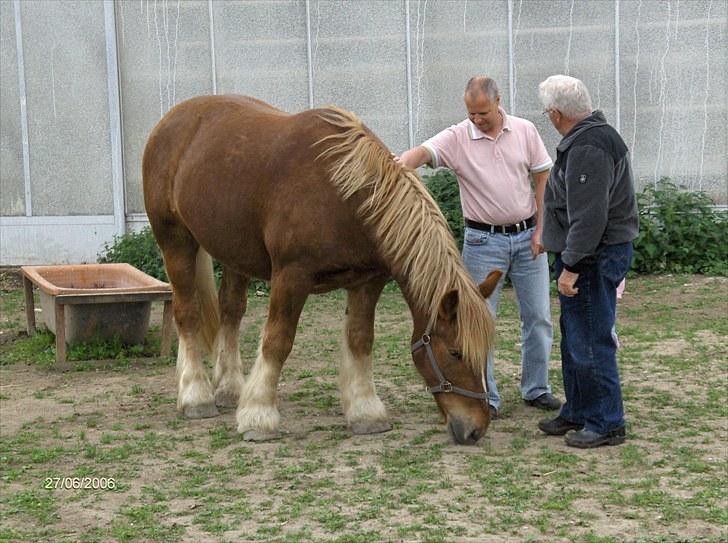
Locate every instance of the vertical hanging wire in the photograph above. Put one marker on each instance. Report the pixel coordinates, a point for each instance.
(23, 109)
(511, 74)
(213, 59)
(410, 113)
(115, 119)
(617, 81)
(309, 53)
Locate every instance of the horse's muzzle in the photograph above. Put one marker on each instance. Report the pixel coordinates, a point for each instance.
(464, 433)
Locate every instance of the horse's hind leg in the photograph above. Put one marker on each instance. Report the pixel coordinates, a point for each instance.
(257, 416)
(364, 411)
(228, 374)
(194, 392)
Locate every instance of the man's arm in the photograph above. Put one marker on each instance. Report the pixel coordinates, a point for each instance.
(415, 157)
(539, 180)
(589, 176)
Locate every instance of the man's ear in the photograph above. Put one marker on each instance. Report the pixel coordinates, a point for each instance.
(449, 306)
(488, 286)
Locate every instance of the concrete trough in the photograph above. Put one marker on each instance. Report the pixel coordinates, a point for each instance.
(87, 301)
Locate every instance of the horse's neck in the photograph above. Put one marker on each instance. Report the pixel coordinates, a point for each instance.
(418, 310)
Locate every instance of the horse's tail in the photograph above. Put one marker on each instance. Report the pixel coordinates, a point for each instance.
(207, 293)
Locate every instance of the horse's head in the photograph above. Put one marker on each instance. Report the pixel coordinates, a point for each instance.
(455, 376)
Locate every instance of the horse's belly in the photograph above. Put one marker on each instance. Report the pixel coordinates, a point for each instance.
(326, 281)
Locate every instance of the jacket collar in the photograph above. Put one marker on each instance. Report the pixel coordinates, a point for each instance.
(597, 118)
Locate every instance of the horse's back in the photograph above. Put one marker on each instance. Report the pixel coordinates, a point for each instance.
(238, 173)
(233, 127)
(212, 146)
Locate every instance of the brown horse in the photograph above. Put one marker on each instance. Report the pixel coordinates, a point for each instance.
(311, 202)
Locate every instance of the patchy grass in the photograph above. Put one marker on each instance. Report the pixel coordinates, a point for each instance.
(179, 480)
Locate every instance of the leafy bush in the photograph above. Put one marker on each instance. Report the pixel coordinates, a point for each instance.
(680, 232)
(139, 249)
(443, 186)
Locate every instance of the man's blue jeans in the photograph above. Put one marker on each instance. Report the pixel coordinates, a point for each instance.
(588, 350)
(484, 252)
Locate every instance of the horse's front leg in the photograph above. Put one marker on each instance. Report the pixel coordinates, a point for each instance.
(364, 411)
(257, 416)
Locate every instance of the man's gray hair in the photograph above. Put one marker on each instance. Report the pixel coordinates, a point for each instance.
(567, 94)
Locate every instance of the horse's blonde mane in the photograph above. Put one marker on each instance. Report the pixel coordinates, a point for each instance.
(410, 227)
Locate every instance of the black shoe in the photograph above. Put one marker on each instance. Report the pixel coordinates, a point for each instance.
(558, 426)
(493, 412)
(586, 439)
(545, 401)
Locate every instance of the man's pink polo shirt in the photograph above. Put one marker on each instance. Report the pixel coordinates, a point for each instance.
(493, 173)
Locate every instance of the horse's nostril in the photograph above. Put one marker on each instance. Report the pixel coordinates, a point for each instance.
(464, 433)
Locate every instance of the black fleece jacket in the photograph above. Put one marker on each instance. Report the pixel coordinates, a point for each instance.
(589, 199)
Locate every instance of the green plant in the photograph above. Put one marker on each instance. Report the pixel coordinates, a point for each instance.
(139, 249)
(680, 232)
(444, 188)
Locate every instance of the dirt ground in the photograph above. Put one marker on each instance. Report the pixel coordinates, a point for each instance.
(59, 397)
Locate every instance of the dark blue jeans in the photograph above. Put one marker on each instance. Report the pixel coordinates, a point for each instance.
(588, 351)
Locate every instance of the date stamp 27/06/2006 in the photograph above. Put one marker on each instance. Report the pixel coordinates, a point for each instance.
(79, 483)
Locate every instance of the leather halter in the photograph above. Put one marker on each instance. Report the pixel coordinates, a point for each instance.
(444, 385)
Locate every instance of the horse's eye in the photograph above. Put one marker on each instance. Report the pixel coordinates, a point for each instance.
(456, 354)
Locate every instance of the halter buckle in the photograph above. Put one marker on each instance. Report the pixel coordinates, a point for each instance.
(446, 386)
(426, 339)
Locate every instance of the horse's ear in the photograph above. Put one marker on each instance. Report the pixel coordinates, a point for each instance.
(449, 306)
(488, 286)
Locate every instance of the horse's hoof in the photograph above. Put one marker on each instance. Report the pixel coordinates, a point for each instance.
(225, 398)
(363, 427)
(260, 435)
(202, 411)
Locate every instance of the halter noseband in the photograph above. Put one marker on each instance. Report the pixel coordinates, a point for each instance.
(444, 385)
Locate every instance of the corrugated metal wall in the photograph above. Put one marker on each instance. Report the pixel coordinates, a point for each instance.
(83, 83)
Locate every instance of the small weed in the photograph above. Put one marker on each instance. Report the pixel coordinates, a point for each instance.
(222, 436)
(38, 505)
(144, 522)
(40, 348)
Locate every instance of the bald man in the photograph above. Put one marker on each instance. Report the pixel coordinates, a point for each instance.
(496, 157)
